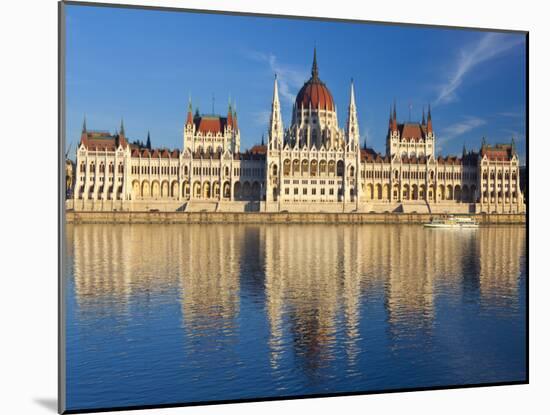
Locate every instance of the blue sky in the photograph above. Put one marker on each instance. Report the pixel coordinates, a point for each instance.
(143, 66)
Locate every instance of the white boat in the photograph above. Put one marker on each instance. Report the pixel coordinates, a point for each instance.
(452, 222)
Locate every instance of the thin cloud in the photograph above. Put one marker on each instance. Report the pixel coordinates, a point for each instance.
(290, 77)
(488, 47)
(512, 114)
(458, 129)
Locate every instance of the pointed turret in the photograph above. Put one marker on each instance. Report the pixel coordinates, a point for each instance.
(513, 145)
(148, 144)
(352, 123)
(423, 116)
(230, 115)
(84, 133)
(189, 113)
(122, 127)
(235, 124)
(276, 121)
(314, 68)
(429, 127)
(394, 118)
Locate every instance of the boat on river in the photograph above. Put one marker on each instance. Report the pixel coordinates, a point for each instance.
(451, 221)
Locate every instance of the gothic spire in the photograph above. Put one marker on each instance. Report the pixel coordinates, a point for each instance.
(148, 144)
(430, 128)
(229, 114)
(121, 126)
(352, 124)
(314, 68)
(189, 112)
(423, 117)
(275, 138)
(84, 125)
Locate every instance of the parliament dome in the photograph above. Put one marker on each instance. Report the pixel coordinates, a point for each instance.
(315, 92)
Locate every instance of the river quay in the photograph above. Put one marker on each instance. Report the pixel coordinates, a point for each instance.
(276, 218)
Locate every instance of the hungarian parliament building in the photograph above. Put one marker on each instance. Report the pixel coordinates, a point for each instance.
(312, 165)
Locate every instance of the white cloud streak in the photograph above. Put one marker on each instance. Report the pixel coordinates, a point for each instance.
(488, 47)
(458, 129)
(290, 77)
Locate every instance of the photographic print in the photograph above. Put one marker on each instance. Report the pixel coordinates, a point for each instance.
(265, 207)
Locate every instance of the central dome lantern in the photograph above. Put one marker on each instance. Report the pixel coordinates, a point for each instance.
(315, 92)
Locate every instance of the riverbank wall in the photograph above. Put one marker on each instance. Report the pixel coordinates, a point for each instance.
(275, 218)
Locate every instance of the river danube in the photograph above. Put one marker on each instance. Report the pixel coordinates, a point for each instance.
(160, 314)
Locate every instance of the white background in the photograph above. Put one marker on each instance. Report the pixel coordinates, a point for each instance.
(28, 203)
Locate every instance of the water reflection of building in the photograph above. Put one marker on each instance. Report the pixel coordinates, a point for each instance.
(500, 251)
(121, 261)
(420, 262)
(209, 271)
(315, 280)
(312, 273)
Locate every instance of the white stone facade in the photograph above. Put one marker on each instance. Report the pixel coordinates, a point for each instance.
(311, 166)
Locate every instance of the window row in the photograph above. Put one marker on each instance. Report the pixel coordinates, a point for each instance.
(111, 167)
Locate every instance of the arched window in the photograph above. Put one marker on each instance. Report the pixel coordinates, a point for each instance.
(340, 168)
(286, 167)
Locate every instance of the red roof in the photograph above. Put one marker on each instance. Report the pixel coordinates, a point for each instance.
(500, 152)
(316, 93)
(258, 149)
(210, 123)
(101, 140)
(412, 131)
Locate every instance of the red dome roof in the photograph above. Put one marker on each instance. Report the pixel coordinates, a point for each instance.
(315, 92)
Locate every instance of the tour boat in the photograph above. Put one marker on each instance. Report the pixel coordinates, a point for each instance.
(452, 222)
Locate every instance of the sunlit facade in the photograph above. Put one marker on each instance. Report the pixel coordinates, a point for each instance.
(313, 165)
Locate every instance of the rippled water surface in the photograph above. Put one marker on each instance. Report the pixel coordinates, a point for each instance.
(185, 313)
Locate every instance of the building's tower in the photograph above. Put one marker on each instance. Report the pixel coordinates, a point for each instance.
(276, 122)
(393, 133)
(189, 130)
(274, 148)
(430, 135)
(236, 136)
(352, 127)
